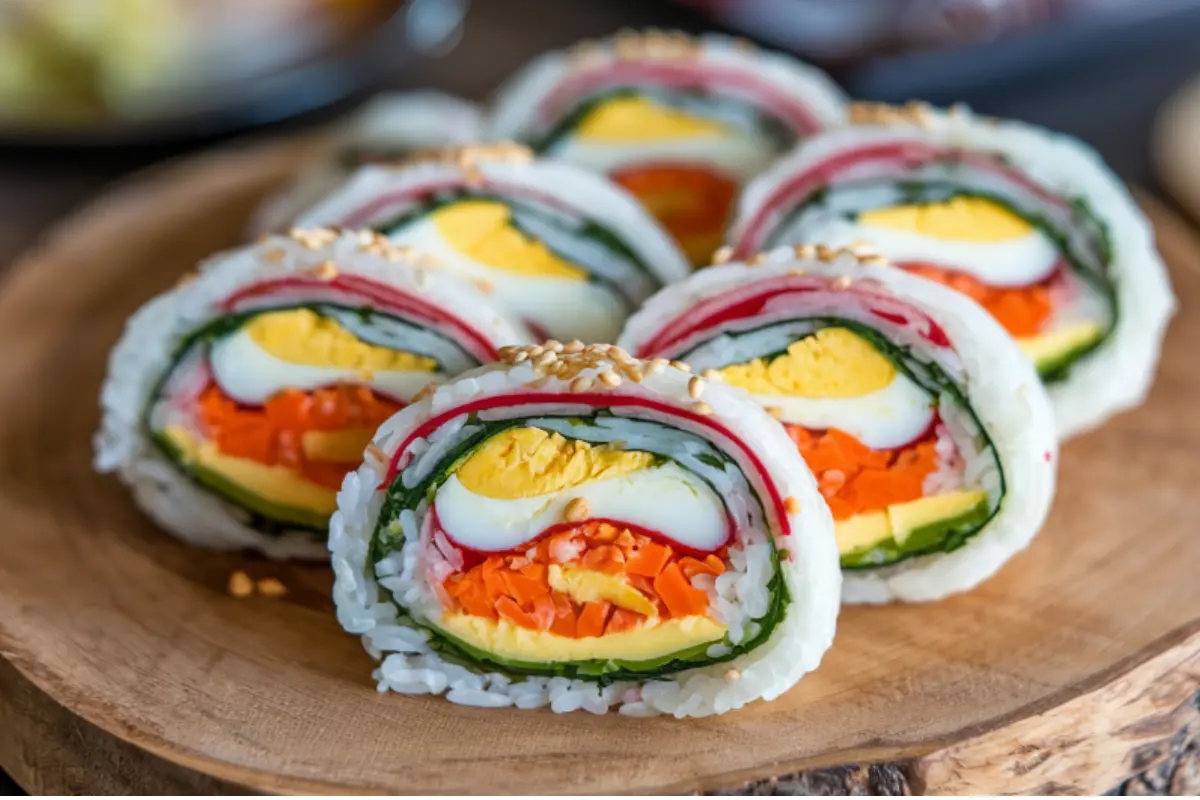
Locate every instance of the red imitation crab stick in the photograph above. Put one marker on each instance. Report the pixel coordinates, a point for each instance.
(515, 586)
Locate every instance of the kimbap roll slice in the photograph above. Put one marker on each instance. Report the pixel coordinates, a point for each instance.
(575, 528)
(1030, 224)
(389, 127)
(927, 429)
(681, 122)
(236, 403)
(569, 252)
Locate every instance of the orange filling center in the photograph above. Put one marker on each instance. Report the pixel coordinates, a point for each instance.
(1023, 311)
(273, 434)
(692, 203)
(516, 586)
(855, 479)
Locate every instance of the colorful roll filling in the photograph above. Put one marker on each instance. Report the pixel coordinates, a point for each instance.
(567, 251)
(388, 128)
(929, 434)
(680, 122)
(1028, 224)
(236, 404)
(575, 528)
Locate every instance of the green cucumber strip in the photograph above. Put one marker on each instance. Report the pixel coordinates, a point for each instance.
(941, 536)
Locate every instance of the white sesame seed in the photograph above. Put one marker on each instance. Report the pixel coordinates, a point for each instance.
(695, 387)
(609, 378)
(702, 408)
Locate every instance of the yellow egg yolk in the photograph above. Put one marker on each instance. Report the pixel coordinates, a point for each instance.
(639, 119)
(832, 363)
(961, 219)
(528, 462)
(482, 231)
(588, 585)
(301, 336)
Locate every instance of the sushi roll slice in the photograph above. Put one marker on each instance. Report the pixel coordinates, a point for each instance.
(566, 250)
(681, 122)
(1029, 224)
(389, 127)
(236, 403)
(575, 528)
(931, 438)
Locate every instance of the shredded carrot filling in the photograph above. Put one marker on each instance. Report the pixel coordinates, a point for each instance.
(854, 479)
(692, 203)
(273, 434)
(1022, 311)
(516, 585)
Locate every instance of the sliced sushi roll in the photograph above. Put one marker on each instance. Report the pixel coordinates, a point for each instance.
(389, 127)
(931, 438)
(566, 250)
(236, 403)
(681, 122)
(1029, 224)
(575, 528)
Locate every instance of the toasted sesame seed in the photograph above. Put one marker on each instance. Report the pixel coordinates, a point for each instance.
(806, 251)
(326, 270)
(695, 387)
(841, 282)
(654, 367)
(796, 273)
(733, 674)
(581, 384)
(702, 408)
(274, 255)
(573, 346)
(791, 505)
(577, 510)
(553, 344)
(610, 378)
(518, 357)
(271, 588)
(775, 411)
(681, 365)
(722, 254)
(240, 585)
(711, 374)
(545, 358)
(535, 351)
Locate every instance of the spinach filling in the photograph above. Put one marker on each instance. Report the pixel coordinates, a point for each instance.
(263, 516)
(1091, 267)
(388, 538)
(949, 534)
(608, 259)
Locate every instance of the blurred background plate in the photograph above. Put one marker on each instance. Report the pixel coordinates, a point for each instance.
(121, 73)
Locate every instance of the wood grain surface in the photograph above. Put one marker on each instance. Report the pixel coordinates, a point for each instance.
(1072, 668)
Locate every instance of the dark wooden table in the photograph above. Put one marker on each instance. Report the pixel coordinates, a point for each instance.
(1102, 84)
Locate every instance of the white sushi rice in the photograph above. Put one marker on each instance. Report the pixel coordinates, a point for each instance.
(999, 383)
(154, 333)
(1116, 376)
(409, 665)
(389, 121)
(517, 103)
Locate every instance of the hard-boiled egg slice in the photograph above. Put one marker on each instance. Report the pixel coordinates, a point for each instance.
(476, 238)
(631, 129)
(837, 379)
(519, 484)
(300, 349)
(973, 235)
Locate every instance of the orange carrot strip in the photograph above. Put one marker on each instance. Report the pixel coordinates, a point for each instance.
(648, 559)
(508, 608)
(681, 597)
(592, 618)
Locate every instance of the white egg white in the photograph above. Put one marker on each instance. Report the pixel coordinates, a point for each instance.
(886, 418)
(1013, 262)
(249, 374)
(666, 499)
(564, 308)
(741, 155)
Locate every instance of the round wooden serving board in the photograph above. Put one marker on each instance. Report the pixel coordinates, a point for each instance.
(133, 670)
